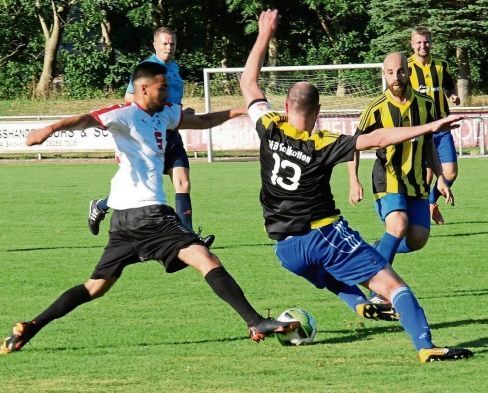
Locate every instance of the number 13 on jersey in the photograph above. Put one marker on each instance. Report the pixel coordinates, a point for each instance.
(289, 183)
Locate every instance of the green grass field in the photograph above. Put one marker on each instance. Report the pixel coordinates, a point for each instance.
(155, 332)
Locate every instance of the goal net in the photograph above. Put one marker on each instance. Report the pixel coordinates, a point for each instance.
(344, 90)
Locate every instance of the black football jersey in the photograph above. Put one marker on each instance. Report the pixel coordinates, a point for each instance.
(295, 173)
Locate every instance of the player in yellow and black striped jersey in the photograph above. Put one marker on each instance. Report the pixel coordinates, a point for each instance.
(431, 76)
(313, 241)
(399, 172)
(399, 168)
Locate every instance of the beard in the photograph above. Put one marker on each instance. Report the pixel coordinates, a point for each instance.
(398, 88)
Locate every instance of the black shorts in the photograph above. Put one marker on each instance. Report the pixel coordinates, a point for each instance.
(141, 234)
(175, 153)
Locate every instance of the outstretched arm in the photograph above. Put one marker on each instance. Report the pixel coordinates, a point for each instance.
(209, 120)
(79, 122)
(268, 23)
(383, 137)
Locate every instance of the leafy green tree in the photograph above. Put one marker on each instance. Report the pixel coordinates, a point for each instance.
(391, 24)
(52, 15)
(459, 29)
(20, 49)
(462, 26)
(97, 58)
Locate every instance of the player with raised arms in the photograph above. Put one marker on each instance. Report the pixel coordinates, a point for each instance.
(312, 238)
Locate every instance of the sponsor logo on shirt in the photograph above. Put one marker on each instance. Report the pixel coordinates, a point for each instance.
(289, 151)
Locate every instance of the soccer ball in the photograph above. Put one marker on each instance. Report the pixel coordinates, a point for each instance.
(305, 334)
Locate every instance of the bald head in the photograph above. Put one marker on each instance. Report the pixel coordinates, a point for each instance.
(395, 70)
(303, 98)
(395, 58)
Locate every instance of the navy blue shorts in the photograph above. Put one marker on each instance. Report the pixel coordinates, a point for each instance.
(444, 143)
(335, 249)
(417, 208)
(175, 153)
(146, 233)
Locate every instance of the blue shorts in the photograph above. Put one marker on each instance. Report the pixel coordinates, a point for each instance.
(335, 249)
(175, 153)
(444, 143)
(417, 208)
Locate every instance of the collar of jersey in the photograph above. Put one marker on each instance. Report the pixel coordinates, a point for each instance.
(282, 121)
(146, 112)
(427, 65)
(403, 107)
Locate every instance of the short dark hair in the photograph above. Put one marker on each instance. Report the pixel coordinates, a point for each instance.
(164, 30)
(304, 97)
(422, 30)
(148, 69)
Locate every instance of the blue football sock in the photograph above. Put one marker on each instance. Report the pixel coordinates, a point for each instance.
(102, 204)
(412, 317)
(183, 209)
(388, 246)
(351, 295)
(403, 247)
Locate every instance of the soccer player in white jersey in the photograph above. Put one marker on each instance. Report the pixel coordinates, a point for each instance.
(312, 238)
(143, 227)
(176, 163)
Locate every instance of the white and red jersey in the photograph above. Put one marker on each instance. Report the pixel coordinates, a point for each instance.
(140, 139)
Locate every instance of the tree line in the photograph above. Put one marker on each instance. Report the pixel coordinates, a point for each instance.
(88, 48)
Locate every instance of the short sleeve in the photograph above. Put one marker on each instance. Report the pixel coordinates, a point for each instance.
(368, 121)
(342, 150)
(106, 117)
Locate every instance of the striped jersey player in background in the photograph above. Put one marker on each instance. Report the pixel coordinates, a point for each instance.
(431, 76)
(399, 175)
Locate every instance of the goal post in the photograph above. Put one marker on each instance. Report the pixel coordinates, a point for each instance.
(343, 88)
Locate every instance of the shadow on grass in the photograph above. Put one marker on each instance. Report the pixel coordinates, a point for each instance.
(364, 333)
(50, 248)
(460, 234)
(458, 293)
(230, 246)
(88, 247)
(463, 223)
(347, 336)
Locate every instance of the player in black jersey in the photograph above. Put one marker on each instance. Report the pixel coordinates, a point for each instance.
(313, 240)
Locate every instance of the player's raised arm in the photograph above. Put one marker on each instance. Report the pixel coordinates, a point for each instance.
(209, 120)
(383, 137)
(268, 23)
(79, 122)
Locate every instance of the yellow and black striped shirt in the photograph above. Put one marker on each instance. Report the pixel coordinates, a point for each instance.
(296, 167)
(399, 168)
(432, 79)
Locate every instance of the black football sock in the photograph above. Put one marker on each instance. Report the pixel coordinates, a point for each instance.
(228, 290)
(183, 209)
(67, 302)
